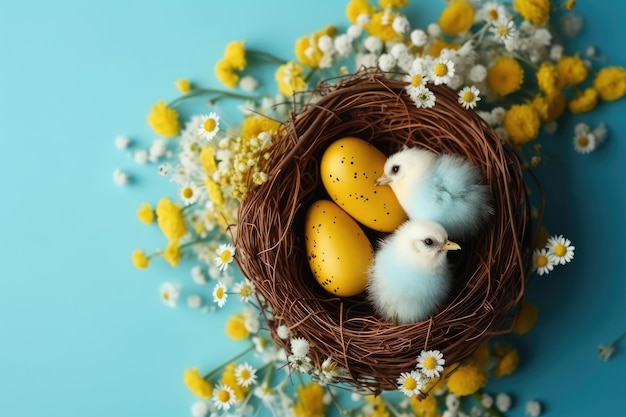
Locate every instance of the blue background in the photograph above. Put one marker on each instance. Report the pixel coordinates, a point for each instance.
(84, 333)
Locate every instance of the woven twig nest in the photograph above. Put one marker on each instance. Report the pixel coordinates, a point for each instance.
(491, 275)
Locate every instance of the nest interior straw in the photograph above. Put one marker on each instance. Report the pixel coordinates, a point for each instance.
(490, 278)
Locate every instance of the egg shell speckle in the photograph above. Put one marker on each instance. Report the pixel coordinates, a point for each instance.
(338, 251)
(349, 169)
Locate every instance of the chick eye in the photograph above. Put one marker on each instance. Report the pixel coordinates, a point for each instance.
(428, 241)
(395, 169)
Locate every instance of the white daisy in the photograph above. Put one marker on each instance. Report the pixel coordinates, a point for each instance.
(169, 294)
(469, 96)
(442, 71)
(504, 30)
(299, 346)
(431, 363)
(561, 248)
(584, 143)
(245, 375)
(209, 126)
(251, 319)
(189, 193)
(300, 363)
(220, 295)
(330, 372)
(225, 254)
(265, 393)
(245, 290)
(543, 262)
(223, 397)
(423, 97)
(411, 383)
(492, 12)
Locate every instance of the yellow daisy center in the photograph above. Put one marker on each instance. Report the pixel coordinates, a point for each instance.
(440, 69)
(245, 374)
(209, 125)
(226, 256)
(187, 192)
(410, 384)
(468, 97)
(430, 363)
(560, 250)
(583, 141)
(503, 30)
(542, 261)
(493, 14)
(220, 293)
(223, 396)
(416, 81)
(166, 296)
(246, 291)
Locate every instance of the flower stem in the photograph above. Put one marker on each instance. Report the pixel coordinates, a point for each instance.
(310, 74)
(237, 356)
(266, 55)
(204, 91)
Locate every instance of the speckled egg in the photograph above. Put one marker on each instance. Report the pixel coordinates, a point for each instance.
(337, 249)
(349, 169)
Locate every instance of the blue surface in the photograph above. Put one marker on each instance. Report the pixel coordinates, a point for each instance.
(83, 333)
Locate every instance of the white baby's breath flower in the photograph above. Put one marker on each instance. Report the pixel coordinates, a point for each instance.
(386, 62)
(343, 46)
(556, 51)
(169, 294)
(157, 149)
(200, 409)
(248, 83)
(373, 44)
(120, 177)
(141, 156)
(434, 30)
(477, 73)
(591, 51)
(419, 37)
(363, 19)
(299, 346)
(220, 294)
(198, 275)
(122, 142)
(486, 400)
(354, 32)
(366, 60)
(571, 24)
(533, 408)
(452, 402)
(600, 132)
(194, 301)
(498, 113)
(400, 25)
(503, 402)
(282, 331)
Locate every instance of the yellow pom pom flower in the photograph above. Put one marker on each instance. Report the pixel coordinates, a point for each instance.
(310, 401)
(172, 253)
(306, 49)
(536, 12)
(527, 314)
(170, 219)
(207, 159)
(290, 78)
(236, 327)
(438, 45)
(396, 4)
(197, 384)
(481, 356)
(572, 70)
(522, 123)
(548, 78)
(355, 8)
(140, 259)
(505, 76)
(164, 120)
(381, 25)
(542, 107)
(457, 17)
(230, 379)
(183, 85)
(585, 101)
(145, 213)
(226, 74)
(253, 126)
(556, 105)
(610, 82)
(508, 361)
(235, 55)
(466, 380)
(427, 407)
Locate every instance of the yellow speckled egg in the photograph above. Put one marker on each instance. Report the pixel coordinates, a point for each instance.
(349, 169)
(338, 251)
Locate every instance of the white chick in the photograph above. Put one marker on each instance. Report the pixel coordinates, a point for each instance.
(410, 276)
(446, 189)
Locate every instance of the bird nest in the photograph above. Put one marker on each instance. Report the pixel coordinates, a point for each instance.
(491, 273)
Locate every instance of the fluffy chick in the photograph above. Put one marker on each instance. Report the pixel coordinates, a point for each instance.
(410, 276)
(446, 189)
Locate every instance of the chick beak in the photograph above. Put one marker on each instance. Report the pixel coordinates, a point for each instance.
(449, 245)
(383, 180)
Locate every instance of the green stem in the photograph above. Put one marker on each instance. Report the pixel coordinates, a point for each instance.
(310, 74)
(267, 55)
(237, 356)
(204, 91)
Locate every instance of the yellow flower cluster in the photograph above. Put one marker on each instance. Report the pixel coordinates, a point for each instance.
(233, 60)
(170, 219)
(428, 407)
(290, 78)
(505, 76)
(197, 384)
(457, 17)
(307, 49)
(310, 401)
(536, 12)
(164, 120)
